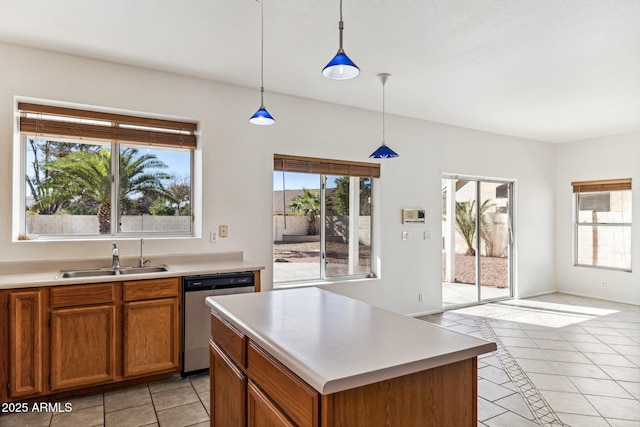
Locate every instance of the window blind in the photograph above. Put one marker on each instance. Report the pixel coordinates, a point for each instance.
(285, 163)
(601, 185)
(53, 121)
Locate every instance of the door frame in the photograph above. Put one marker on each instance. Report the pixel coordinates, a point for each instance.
(512, 238)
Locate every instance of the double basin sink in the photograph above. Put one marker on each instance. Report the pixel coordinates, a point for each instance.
(110, 271)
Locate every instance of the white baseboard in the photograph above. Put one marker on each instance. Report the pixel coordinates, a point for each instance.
(425, 313)
(579, 294)
(537, 294)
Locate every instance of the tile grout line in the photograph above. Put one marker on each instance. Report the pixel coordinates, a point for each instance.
(538, 406)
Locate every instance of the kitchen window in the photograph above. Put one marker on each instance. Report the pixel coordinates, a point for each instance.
(322, 219)
(96, 174)
(602, 231)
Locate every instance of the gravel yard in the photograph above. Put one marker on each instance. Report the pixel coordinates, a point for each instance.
(494, 270)
(337, 252)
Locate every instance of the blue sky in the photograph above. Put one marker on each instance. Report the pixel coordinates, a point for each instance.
(298, 181)
(178, 161)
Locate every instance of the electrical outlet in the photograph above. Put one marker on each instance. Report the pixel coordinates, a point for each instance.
(427, 235)
(405, 235)
(604, 285)
(420, 297)
(223, 231)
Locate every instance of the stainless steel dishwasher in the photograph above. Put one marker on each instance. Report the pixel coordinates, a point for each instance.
(196, 317)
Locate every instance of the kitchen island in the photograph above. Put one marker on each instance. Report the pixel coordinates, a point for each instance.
(310, 357)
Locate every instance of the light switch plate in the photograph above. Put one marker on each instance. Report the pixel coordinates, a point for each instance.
(405, 235)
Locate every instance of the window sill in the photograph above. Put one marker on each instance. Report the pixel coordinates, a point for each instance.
(600, 267)
(321, 283)
(40, 239)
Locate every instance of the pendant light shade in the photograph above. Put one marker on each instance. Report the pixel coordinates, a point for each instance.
(262, 116)
(383, 152)
(341, 67)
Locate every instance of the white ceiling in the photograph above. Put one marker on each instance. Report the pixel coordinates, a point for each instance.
(550, 70)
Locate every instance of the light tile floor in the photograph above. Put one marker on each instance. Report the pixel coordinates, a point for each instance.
(561, 361)
(174, 403)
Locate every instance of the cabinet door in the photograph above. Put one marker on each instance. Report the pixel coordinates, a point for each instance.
(263, 412)
(25, 345)
(83, 346)
(294, 397)
(228, 390)
(151, 336)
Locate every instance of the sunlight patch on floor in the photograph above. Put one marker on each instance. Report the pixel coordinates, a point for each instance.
(540, 313)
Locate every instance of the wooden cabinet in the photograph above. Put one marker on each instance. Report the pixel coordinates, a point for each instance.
(263, 412)
(248, 383)
(83, 346)
(83, 335)
(255, 383)
(25, 343)
(293, 396)
(151, 336)
(63, 338)
(228, 390)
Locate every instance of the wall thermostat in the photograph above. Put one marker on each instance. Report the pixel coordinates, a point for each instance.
(413, 216)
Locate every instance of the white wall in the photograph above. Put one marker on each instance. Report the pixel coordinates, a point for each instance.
(611, 157)
(238, 163)
(531, 165)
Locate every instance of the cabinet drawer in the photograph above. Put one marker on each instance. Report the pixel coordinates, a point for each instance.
(294, 397)
(75, 295)
(262, 412)
(151, 289)
(231, 340)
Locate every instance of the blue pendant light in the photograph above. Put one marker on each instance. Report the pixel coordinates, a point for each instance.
(383, 152)
(341, 67)
(262, 116)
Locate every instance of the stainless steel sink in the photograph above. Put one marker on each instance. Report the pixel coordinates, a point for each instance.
(86, 273)
(98, 272)
(141, 270)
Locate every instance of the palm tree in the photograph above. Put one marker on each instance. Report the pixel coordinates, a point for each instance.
(46, 202)
(87, 176)
(466, 221)
(307, 203)
(140, 176)
(179, 191)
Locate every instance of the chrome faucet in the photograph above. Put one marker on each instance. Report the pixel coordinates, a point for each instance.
(143, 260)
(115, 256)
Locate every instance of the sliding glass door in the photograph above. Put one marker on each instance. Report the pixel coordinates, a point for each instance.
(477, 240)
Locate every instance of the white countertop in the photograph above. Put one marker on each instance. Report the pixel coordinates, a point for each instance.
(335, 343)
(42, 273)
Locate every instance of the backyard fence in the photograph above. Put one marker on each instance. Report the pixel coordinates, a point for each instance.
(70, 225)
(335, 226)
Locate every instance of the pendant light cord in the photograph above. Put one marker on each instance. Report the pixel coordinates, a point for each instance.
(262, 53)
(383, 112)
(340, 28)
(383, 78)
